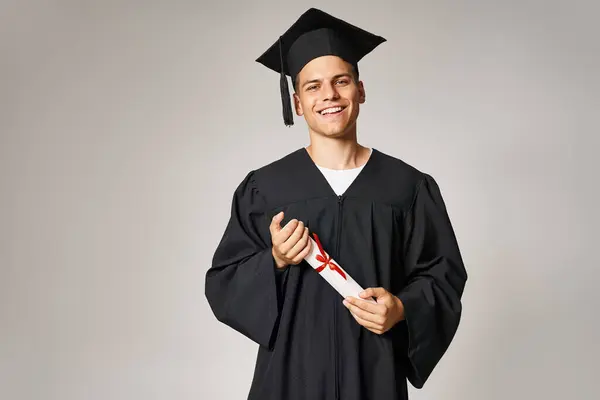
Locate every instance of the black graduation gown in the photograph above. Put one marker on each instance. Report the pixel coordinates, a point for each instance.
(389, 229)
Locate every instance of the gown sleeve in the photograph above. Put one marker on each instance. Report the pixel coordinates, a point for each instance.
(435, 280)
(243, 285)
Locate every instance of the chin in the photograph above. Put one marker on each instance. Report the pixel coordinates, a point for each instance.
(334, 133)
(340, 130)
(337, 129)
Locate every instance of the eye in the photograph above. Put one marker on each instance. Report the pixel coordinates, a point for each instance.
(313, 87)
(342, 81)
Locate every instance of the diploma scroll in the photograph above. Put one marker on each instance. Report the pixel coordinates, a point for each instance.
(332, 272)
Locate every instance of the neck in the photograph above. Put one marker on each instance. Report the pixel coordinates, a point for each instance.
(337, 153)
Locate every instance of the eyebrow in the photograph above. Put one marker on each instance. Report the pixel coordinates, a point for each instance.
(344, 75)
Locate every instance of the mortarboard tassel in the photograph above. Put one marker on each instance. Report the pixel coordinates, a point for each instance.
(288, 117)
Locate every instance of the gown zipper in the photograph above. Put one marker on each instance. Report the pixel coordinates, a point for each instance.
(335, 335)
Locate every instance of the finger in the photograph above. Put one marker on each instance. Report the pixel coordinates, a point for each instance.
(296, 235)
(304, 253)
(367, 316)
(372, 308)
(300, 244)
(304, 246)
(284, 234)
(367, 324)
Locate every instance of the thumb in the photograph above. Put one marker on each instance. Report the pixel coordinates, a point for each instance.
(276, 221)
(373, 292)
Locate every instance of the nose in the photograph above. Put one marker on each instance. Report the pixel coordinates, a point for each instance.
(329, 92)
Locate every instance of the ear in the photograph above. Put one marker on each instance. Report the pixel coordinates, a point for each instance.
(362, 96)
(298, 105)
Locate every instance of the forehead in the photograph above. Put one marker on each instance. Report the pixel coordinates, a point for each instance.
(324, 67)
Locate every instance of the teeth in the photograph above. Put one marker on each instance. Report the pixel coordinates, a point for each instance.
(331, 110)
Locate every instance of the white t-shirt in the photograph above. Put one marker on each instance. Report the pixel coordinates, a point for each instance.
(340, 179)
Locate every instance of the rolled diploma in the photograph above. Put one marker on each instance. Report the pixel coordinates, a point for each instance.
(345, 287)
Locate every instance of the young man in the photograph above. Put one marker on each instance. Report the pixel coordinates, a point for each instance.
(382, 220)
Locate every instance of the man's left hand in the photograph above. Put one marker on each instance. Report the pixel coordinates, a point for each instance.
(380, 317)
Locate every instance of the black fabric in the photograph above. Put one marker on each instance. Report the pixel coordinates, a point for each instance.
(317, 33)
(390, 229)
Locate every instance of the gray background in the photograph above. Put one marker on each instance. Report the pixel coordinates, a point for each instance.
(125, 127)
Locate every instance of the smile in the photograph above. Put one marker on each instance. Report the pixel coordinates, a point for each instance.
(332, 111)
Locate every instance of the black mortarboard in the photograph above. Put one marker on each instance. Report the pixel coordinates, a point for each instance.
(313, 35)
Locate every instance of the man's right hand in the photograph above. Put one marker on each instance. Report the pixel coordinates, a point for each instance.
(290, 243)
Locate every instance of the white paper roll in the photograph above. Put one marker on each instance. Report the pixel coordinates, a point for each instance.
(333, 273)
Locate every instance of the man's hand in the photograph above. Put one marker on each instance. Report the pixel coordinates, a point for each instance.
(380, 317)
(290, 243)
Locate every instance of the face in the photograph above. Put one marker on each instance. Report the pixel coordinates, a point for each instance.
(328, 96)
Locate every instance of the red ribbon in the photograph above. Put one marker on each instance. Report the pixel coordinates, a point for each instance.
(326, 260)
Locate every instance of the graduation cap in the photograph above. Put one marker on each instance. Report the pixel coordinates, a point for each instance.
(313, 35)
